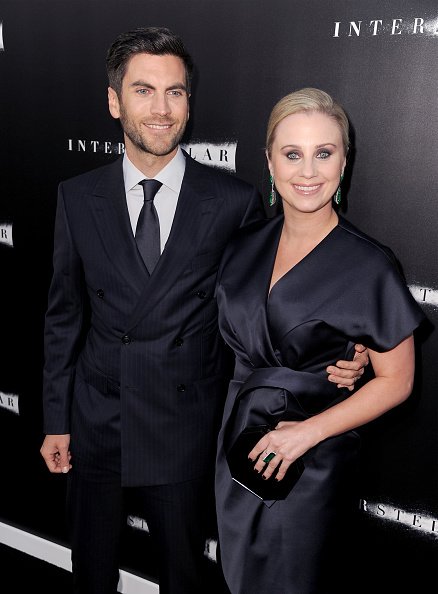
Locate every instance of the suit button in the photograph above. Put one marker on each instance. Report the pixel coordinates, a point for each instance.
(201, 294)
(126, 339)
(181, 388)
(178, 341)
(100, 293)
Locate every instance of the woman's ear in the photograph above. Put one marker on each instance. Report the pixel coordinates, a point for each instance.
(269, 161)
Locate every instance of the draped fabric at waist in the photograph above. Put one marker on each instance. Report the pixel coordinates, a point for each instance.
(269, 395)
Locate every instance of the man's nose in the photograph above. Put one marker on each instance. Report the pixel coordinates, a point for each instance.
(160, 104)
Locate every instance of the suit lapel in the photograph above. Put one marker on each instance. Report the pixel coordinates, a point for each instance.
(114, 227)
(195, 213)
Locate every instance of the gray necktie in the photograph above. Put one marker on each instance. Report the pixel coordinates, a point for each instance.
(147, 232)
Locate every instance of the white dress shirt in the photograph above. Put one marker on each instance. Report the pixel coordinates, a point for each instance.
(166, 199)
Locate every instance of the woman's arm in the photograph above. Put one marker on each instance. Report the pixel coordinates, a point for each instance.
(393, 382)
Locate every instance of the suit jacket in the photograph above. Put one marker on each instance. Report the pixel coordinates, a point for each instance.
(135, 368)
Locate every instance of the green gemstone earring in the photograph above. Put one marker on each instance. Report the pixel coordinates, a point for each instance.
(338, 192)
(272, 193)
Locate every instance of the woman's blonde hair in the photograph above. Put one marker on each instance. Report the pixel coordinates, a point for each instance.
(307, 100)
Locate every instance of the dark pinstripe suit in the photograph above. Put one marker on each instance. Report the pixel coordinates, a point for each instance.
(135, 370)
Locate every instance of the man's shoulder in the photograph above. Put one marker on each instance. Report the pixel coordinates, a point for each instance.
(215, 175)
(92, 177)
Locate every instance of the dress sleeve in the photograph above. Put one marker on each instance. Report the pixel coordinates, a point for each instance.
(386, 311)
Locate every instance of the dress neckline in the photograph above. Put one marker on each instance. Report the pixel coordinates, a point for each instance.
(304, 259)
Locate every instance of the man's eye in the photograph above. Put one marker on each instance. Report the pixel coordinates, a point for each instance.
(175, 93)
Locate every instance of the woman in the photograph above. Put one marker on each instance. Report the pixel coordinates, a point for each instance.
(294, 294)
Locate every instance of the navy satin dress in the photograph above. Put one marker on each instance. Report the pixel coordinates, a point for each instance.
(347, 290)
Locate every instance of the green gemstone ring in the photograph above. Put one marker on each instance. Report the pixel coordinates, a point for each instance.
(269, 457)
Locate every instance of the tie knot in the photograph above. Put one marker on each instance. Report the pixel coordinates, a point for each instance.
(150, 188)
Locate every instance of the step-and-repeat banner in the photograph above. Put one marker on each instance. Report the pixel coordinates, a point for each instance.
(379, 58)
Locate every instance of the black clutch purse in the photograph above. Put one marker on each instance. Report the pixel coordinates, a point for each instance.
(242, 468)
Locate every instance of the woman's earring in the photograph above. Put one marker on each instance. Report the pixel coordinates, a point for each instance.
(338, 192)
(272, 194)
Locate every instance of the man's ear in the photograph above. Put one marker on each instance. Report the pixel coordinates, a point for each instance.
(113, 103)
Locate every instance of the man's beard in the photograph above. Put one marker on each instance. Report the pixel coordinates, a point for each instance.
(157, 147)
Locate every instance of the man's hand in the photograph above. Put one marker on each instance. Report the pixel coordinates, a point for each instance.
(346, 373)
(56, 453)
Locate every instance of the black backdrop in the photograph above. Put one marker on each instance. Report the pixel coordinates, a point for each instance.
(379, 58)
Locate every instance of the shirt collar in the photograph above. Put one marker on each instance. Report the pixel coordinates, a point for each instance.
(171, 175)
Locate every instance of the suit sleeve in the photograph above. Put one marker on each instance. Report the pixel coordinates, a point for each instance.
(63, 325)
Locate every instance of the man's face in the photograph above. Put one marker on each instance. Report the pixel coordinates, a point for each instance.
(153, 106)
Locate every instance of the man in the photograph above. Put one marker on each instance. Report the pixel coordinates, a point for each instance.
(135, 371)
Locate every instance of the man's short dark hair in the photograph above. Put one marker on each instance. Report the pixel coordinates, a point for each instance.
(157, 41)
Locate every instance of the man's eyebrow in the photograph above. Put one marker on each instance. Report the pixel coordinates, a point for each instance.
(142, 83)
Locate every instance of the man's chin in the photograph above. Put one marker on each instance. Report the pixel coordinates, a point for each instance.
(158, 150)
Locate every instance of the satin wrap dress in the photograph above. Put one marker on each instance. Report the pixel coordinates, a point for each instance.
(347, 290)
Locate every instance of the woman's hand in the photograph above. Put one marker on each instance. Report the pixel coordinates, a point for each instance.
(288, 441)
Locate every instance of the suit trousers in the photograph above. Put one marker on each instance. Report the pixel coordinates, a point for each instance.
(180, 518)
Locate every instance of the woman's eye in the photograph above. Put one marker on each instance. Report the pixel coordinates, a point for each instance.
(293, 155)
(324, 154)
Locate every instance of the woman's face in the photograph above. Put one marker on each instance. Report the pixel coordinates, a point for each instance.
(307, 159)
